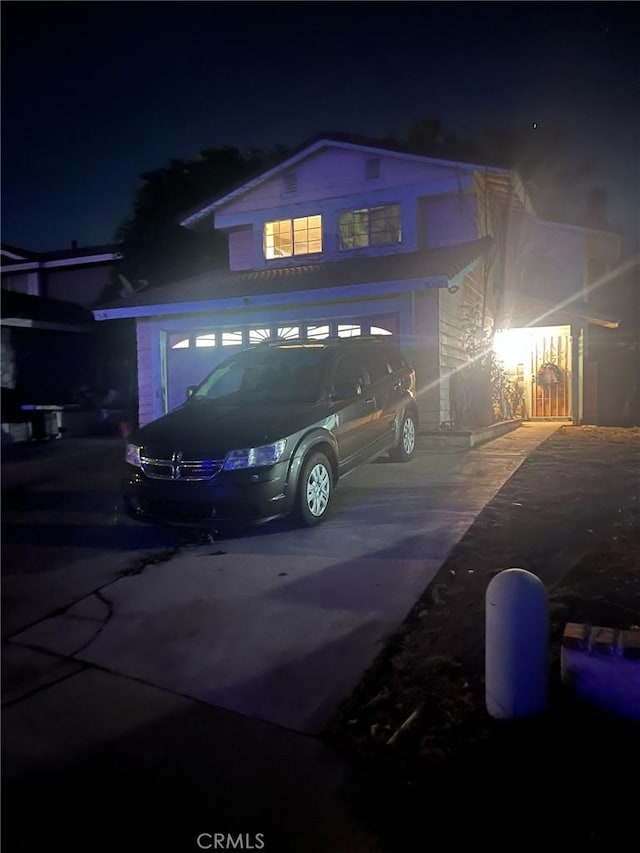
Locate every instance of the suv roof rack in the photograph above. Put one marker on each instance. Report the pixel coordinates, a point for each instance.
(332, 339)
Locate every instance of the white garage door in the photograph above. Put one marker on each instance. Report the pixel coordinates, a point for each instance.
(191, 355)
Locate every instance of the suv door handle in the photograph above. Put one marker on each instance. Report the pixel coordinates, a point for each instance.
(371, 400)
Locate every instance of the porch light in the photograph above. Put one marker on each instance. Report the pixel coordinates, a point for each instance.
(511, 345)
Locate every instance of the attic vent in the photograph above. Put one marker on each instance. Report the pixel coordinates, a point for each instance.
(290, 181)
(372, 168)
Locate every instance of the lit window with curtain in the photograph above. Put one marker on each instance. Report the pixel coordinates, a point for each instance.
(285, 238)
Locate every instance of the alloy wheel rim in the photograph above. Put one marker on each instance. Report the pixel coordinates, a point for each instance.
(408, 435)
(318, 488)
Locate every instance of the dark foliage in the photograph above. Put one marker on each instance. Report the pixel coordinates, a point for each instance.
(155, 248)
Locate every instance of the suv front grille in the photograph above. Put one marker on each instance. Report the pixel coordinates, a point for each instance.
(181, 469)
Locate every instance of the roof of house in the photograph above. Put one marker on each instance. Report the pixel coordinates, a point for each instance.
(27, 254)
(445, 262)
(81, 252)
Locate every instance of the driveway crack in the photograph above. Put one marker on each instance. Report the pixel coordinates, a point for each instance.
(109, 615)
(136, 569)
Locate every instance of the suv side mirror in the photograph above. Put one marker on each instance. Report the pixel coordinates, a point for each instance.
(345, 390)
(190, 390)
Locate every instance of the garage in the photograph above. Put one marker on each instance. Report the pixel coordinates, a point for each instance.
(190, 355)
(183, 330)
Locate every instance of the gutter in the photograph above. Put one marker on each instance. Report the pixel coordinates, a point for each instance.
(269, 300)
(25, 323)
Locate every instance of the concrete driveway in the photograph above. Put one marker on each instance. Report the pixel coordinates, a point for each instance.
(279, 624)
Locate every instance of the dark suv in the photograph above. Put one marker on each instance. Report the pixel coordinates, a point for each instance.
(271, 430)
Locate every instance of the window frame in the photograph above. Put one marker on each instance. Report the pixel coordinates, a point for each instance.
(357, 233)
(297, 237)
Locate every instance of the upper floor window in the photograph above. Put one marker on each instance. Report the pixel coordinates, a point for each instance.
(287, 237)
(370, 226)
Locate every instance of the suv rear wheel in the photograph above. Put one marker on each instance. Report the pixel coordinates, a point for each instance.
(406, 446)
(316, 489)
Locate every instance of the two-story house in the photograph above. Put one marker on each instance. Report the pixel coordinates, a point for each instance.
(351, 238)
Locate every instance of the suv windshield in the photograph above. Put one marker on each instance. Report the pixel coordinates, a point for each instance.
(290, 374)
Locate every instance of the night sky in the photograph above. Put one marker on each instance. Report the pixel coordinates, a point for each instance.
(94, 94)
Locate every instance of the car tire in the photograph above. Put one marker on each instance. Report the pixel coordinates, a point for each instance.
(406, 447)
(315, 490)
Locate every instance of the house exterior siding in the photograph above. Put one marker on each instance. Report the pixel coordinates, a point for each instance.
(334, 181)
(422, 349)
(146, 398)
(451, 355)
(550, 260)
(336, 173)
(550, 264)
(601, 254)
(242, 249)
(448, 220)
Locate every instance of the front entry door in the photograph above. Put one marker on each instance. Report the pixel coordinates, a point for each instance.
(551, 376)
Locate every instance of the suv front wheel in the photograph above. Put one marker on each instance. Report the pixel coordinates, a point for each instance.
(406, 445)
(316, 489)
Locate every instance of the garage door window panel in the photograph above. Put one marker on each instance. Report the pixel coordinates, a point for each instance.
(232, 338)
(349, 330)
(317, 333)
(257, 336)
(288, 333)
(206, 340)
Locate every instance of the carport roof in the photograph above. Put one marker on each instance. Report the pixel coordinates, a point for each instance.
(443, 263)
(22, 309)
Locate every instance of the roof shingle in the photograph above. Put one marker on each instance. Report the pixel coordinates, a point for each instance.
(445, 262)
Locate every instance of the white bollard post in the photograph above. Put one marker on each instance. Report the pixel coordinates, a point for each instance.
(516, 645)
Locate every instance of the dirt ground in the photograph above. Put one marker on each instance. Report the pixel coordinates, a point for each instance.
(571, 515)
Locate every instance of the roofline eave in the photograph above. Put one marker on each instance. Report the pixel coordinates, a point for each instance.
(266, 300)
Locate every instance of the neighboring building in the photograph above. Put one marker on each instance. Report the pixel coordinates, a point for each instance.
(52, 349)
(70, 275)
(347, 238)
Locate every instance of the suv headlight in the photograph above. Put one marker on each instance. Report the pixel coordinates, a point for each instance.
(254, 457)
(132, 455)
